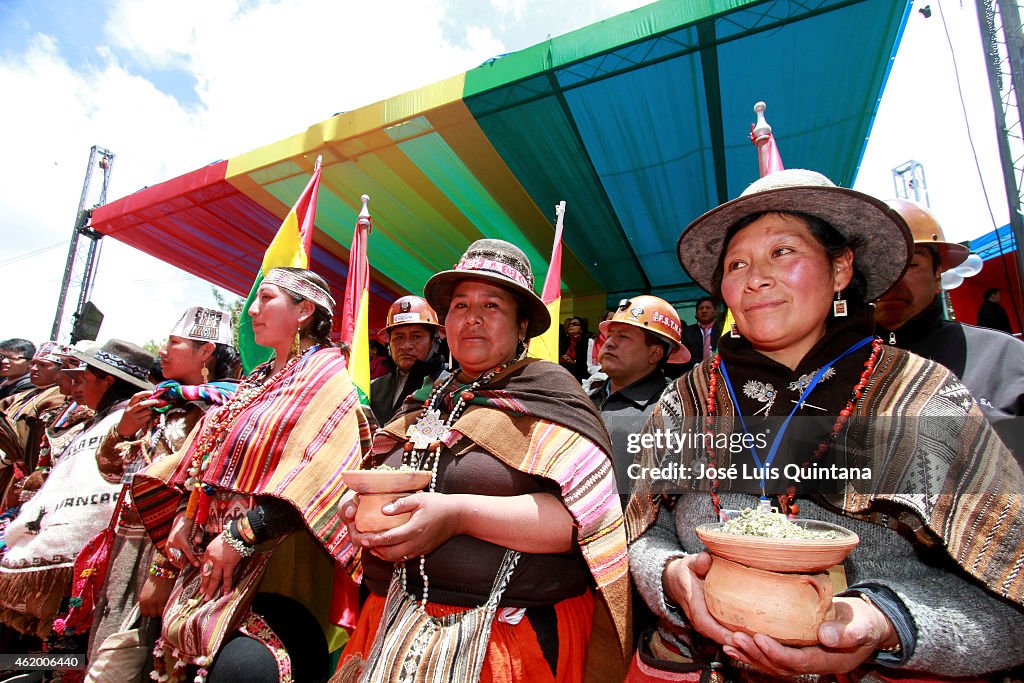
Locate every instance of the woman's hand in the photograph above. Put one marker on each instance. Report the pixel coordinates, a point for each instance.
(137, 415)
(683, 580)
(218, 568)
(435, 519)
(179, 547)
(858, 630)
(154, 595)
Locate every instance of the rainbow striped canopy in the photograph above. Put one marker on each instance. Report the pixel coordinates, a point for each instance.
(639, 122)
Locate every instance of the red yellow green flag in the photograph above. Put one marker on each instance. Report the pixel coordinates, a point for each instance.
(546, 345)
(289, 248)
(355, 317)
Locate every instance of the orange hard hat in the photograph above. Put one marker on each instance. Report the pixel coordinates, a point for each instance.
(655, 315)
(408, 310)
(925, 229)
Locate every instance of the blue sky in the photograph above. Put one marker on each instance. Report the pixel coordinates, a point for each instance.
(170, 87)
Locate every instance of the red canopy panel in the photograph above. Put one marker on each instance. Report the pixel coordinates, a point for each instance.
(204, 225)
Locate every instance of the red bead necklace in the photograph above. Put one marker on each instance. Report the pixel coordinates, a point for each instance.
(786, 500)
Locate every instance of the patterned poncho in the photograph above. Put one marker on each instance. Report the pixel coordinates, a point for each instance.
(291, 443)
(931, 451)
(534, 417)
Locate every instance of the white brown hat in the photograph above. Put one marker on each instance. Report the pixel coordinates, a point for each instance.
(885, 246)
(121, 359)
(205, 325)
(502, 264)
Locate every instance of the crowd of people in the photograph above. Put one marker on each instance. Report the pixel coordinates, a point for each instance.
(170, 519)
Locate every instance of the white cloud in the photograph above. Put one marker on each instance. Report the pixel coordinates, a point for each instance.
(262, 71)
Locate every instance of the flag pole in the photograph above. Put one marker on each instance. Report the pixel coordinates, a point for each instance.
(768, 158)
(545, 345)
(355, 314)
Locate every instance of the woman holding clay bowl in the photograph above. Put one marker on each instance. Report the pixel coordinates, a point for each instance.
(932, 584)
(519, 513)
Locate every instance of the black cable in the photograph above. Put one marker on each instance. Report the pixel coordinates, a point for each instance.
(1011, 286)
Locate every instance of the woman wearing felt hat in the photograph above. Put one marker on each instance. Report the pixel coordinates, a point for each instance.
(934, 584)
(518, 537)
(74, 503)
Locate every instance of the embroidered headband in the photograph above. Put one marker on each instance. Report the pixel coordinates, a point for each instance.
(300, 286)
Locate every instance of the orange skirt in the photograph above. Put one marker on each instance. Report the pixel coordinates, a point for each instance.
(513, 652)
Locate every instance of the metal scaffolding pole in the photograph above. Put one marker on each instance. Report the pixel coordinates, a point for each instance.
(83, 253)
(1003, 44)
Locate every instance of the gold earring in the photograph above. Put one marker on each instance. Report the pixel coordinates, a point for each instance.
(297, 345)
(206, 374)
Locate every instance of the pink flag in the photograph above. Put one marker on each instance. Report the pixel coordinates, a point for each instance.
(768, 158)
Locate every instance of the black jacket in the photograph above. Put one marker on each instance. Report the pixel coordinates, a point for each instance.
(383, 399)
(693, 339)
(994, 316)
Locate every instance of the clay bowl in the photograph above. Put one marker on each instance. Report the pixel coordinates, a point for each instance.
(385, 481)
(369, 516)
(787, 607)
(787, 555)
(377, 488)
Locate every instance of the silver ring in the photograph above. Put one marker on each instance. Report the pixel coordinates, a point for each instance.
(175, 554)
(207, 568)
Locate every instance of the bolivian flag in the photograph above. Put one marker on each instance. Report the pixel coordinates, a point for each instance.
(545, 346)
(354, 317)
(290, 248)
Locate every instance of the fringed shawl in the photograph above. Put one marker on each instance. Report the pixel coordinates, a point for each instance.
(292, 442)
(72, 506)
(535, 418)
(933, 454)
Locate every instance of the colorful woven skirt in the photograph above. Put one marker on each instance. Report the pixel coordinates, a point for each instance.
(513, 652)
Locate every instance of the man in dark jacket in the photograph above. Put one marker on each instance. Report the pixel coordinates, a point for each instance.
(989, 363)
(991, 314)
(640, 338)
(412, 334)
(701, 338)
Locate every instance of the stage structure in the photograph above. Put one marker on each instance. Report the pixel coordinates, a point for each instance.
(83, 258)
(1001, 38)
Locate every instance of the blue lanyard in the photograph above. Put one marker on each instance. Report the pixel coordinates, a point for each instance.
(777, 441)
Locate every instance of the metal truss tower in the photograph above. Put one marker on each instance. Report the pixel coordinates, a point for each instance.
(1003, 43)
(909, 182)
(84, 252)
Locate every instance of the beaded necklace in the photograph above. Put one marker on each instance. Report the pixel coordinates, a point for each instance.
(786, 499)
(216, 430)
(423, 450)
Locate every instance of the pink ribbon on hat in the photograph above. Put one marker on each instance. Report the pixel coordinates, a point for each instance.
(481, 263)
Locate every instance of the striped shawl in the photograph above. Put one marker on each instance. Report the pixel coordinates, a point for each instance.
(940, 461)
(291, 442)
(534, 417)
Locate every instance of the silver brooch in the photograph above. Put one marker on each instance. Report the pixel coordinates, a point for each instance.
(804, 381)
(426, 430)
(762, 392)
